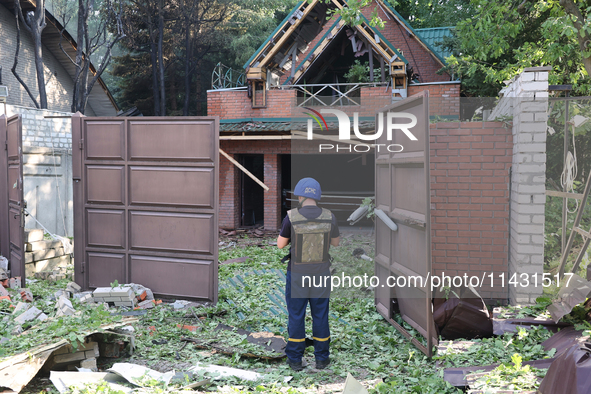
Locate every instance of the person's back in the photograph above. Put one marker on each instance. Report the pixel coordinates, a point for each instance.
(311, 231)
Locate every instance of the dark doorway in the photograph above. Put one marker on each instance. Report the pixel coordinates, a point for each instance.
(251, 193)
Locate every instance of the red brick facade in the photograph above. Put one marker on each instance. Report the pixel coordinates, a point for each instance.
(235, 104)
(230, 181)
(470, 179)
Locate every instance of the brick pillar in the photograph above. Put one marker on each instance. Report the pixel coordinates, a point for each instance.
(229, 211)
(526, 99)
(272, 178)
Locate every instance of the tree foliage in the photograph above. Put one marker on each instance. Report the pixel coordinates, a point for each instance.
(506, 36)
(94, 40)
(173, 49)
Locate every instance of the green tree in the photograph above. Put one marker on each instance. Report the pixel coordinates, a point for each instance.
(194, 37)
(506, 36)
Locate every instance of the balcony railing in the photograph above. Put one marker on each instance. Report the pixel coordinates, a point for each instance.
(223, 77)
(328, 95)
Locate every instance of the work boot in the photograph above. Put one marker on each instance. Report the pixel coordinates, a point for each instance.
(295, 365)
(321, 364)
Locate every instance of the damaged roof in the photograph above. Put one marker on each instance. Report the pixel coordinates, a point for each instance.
(301, 26)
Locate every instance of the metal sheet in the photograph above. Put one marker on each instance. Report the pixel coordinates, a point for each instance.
(146, 203)
(12, 203)
(403, 192)
(577, 291)
(570, 373)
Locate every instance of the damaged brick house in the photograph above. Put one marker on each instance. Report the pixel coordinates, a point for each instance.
(304, 63)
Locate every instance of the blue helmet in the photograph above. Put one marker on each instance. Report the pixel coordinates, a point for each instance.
(309, 188)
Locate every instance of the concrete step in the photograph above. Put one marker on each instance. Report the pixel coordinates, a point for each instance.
(41, 245)
(47, 265)
(43, 254)
(34, 234)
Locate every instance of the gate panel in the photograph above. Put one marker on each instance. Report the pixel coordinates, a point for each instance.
(403, 192)
(146, 204)
(12, 203)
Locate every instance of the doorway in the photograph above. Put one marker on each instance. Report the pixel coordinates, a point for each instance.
(251, 194)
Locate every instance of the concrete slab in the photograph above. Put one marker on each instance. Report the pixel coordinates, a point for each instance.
(29, 315)
(33, 235)
(47, 265)
(43, 254)
(42, 245)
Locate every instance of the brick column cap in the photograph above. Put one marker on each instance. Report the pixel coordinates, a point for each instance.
(534, 69)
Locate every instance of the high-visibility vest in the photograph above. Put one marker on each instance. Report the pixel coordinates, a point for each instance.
(310, 239)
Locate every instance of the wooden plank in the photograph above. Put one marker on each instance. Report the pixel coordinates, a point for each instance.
(254, 178)
(554, 193)
(584, 233)
(287, 34)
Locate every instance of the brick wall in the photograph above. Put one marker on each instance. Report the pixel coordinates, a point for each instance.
(59, 85)
(417, 56)
(444, 99)
(470, 164)
(230, 181)
(232, 104)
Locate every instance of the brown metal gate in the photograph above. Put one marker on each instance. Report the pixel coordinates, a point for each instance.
(12, 204)
(146, 203)
(403, 193)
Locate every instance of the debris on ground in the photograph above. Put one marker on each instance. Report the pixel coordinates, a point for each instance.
(575, 292)
(65, 381)
(461, 313)
(352, 386)
(569, 373)
(237, 344)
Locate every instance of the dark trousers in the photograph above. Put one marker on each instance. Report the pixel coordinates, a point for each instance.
(297, 298)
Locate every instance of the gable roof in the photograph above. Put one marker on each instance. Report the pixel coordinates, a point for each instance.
(272, 46)
(101, 101)
(433, 35)
(293, 25)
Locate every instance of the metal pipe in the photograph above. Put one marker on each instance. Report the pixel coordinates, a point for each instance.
(386, 219)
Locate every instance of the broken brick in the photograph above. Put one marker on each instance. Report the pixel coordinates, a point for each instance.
(3, 291)
(142, 296)
(187, 327)
(26, 295)
(147, 304)
(20, 307)
(29, 315)
(15, 283)
(73, 287)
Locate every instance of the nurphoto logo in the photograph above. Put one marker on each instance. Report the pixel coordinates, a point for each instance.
(345, 130)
